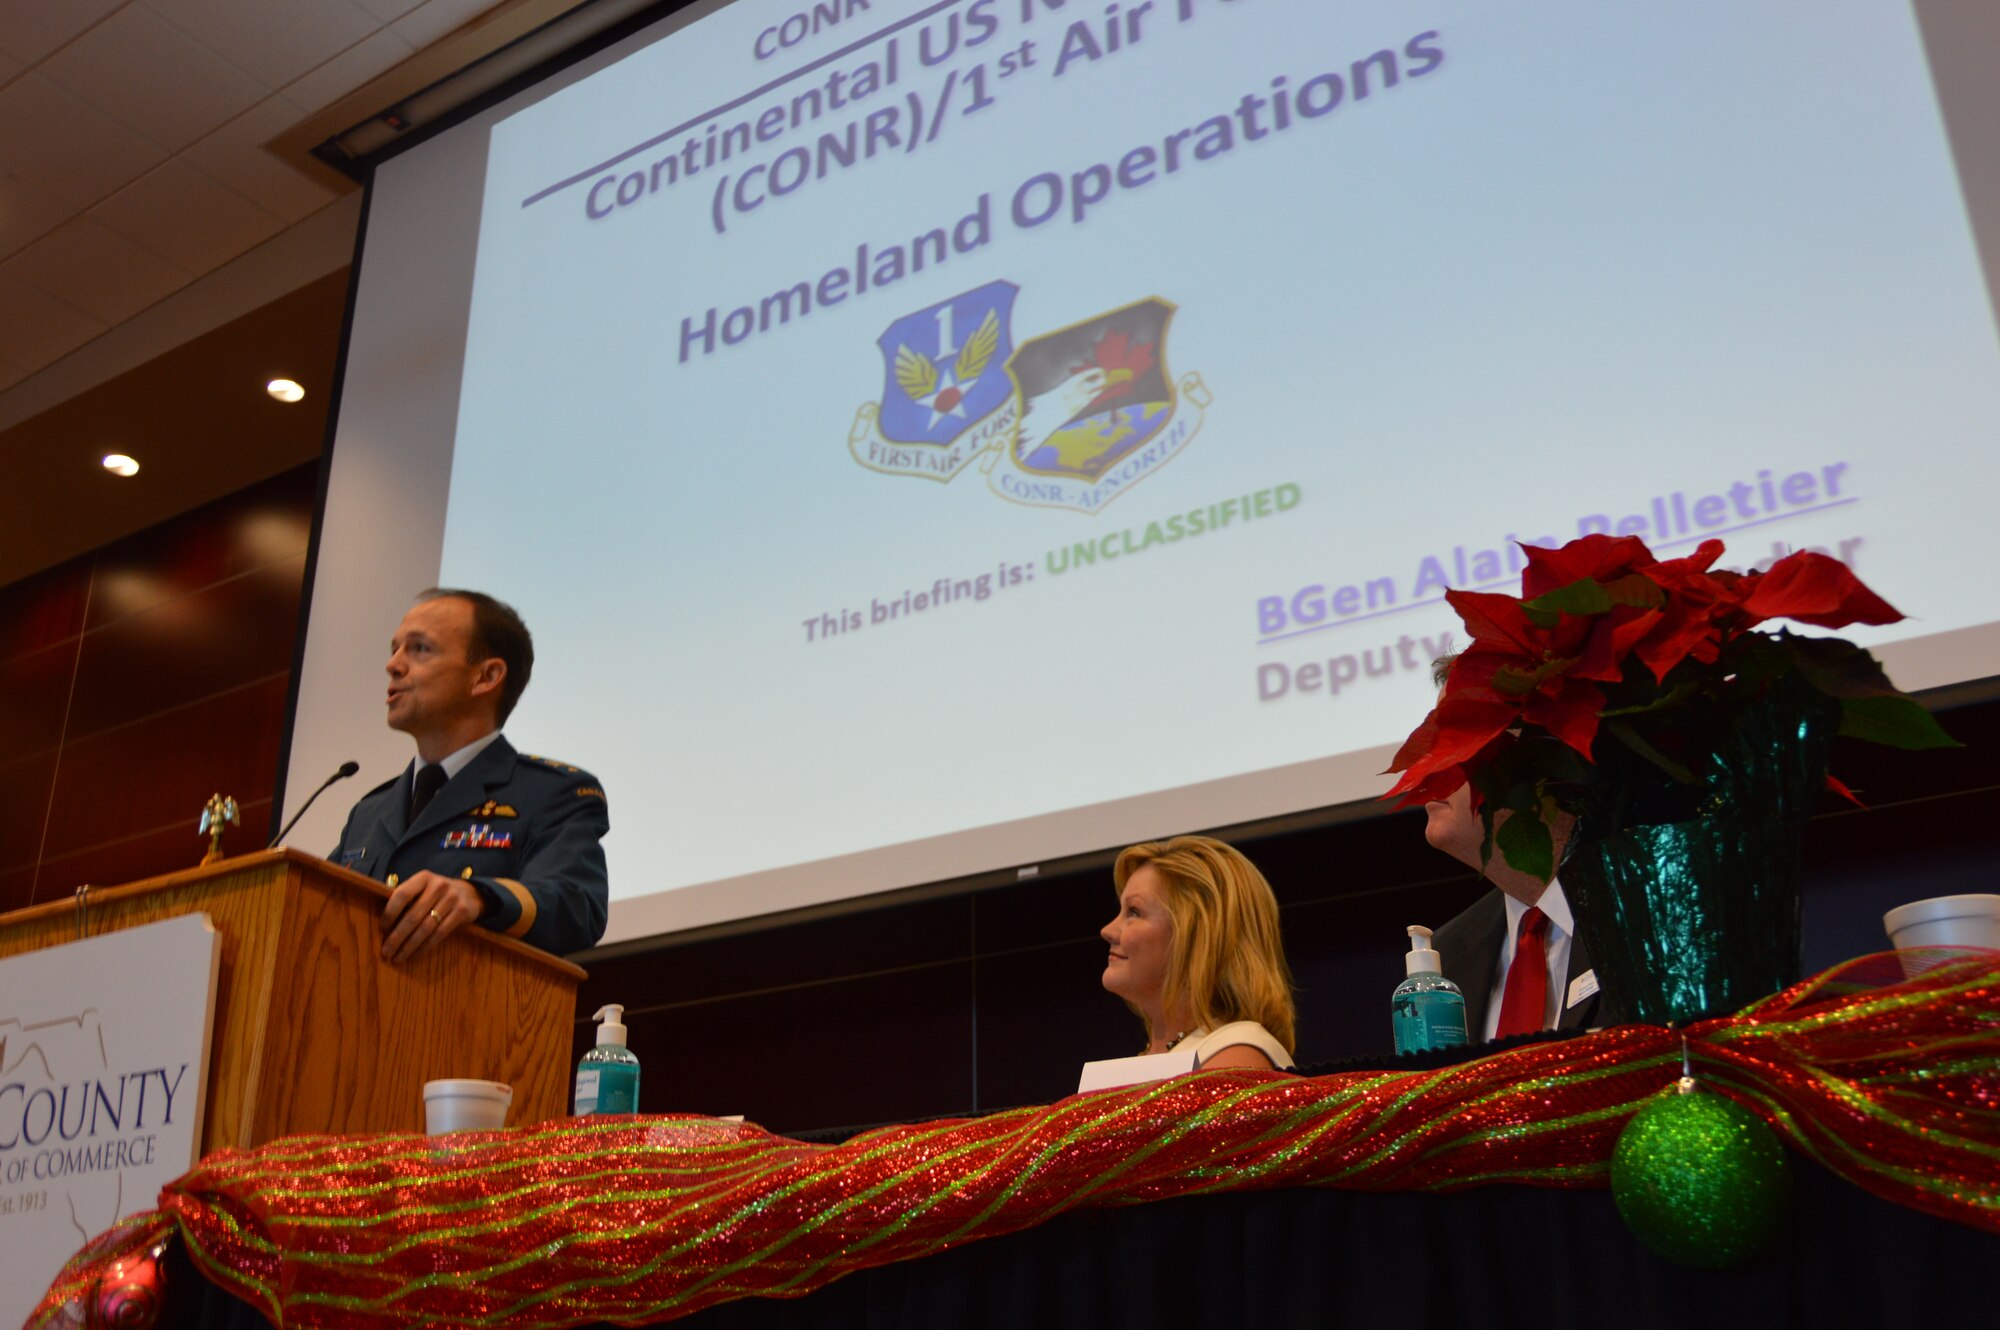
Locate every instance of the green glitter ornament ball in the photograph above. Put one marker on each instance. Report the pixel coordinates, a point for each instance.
(1700, 1179)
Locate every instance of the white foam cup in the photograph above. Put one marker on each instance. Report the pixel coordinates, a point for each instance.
(465, 1105)
(1944, 921)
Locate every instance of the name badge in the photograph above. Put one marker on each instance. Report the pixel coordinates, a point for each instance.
(1581, 987)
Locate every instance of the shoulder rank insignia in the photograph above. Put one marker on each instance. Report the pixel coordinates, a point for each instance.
(551, 763)
(477, 837)
(589, 792)
(492, 809)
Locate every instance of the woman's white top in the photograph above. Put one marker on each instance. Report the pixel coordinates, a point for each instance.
(1207, 1043)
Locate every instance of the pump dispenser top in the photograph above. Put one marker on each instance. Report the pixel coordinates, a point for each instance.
(611, 1021)
(1419, 960)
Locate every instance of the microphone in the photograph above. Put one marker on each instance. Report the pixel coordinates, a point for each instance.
(346, 769)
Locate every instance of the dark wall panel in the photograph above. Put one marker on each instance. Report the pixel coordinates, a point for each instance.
(17, 887)
(161, 770)
(1030, 913)
(194, 646)
(44, 609)
(34, 690)
(852, 1052)
(24, 804)
(1042, 1015)
(895, 937)
(139, 679)
(147, 854)
(250, 530)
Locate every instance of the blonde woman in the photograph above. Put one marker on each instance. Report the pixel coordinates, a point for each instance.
(1196, 954)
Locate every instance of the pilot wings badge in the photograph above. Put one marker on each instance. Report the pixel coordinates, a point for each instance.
(946, 396)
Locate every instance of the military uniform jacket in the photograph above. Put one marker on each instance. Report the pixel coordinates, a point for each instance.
(527, 832)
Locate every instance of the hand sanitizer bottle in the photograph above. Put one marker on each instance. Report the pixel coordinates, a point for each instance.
(607, 1077)
(1426, 1011)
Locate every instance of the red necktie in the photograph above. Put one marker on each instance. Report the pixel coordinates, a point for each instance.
(1526, 996)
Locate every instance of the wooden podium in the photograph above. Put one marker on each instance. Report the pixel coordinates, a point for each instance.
(314, 1032)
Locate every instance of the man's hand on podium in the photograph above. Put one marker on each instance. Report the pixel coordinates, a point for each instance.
(424, 909)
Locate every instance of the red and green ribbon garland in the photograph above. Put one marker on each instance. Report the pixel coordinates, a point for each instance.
(1889, 1082)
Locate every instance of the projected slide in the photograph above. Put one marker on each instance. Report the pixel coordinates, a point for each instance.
(898, 420)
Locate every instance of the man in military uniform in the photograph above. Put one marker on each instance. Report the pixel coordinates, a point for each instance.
(473, 831)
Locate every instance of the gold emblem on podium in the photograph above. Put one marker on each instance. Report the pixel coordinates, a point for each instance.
(219, 813)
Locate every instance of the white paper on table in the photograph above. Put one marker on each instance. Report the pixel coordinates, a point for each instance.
(1147, 1067)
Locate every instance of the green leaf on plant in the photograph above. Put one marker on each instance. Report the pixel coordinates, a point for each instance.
(1525, 843)
(1893, 719)
(1837, 667)
(1517, 682)
(1586, 595)
(1673, 697)
(1632, 740)
(1636, 589)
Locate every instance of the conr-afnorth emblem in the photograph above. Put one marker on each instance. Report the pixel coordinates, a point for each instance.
(1069, 419)
(1099, 410)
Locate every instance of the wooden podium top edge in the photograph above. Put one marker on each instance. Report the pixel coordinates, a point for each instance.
(312, 863)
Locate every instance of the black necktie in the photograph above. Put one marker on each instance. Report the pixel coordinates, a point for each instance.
(430, 779)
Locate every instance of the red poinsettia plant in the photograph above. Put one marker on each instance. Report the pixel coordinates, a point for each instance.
(1606, 687)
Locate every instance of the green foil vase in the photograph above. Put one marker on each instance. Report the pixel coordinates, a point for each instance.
(1701, 916)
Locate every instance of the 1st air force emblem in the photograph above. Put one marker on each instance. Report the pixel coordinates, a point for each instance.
(1071, 419)
(946, 396)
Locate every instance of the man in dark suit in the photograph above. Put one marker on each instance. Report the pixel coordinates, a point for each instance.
(1514, 952)
(472, 831)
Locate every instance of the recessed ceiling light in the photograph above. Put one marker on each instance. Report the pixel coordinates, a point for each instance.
(118, 464)
(285, 390)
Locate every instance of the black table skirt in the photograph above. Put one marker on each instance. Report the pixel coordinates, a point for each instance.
(1494, 1256)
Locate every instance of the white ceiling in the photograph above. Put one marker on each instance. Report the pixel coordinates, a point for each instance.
(133, 135)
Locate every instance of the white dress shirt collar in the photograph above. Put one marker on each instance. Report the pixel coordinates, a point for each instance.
(1552, 903)
(459, 761)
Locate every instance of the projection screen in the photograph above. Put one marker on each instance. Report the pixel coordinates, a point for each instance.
(935, 438)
